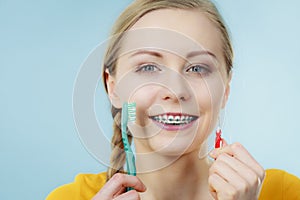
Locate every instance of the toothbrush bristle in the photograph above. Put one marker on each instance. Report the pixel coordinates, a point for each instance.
(131, 111)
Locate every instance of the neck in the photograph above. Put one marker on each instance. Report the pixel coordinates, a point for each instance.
(185, 177)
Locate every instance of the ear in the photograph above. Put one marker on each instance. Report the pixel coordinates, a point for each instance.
(227, 90)
(113, 97)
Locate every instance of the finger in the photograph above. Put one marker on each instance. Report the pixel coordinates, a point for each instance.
(117, 184)
(224, 149)
(119, 181)
(220, 189)
(246, 172)
(239, 152)
(214, 194)
(245, 157)
(215, 152)
(233, 178)
(121, 191)
(224, 143)
(130, 195)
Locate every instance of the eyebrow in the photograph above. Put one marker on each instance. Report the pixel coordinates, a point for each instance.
(149, 52)
(159, 55)
(198, 53)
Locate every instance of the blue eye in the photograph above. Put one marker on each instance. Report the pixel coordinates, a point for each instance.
(198, 69)
(148, 68)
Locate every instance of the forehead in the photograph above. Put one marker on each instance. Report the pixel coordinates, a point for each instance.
(193, 24)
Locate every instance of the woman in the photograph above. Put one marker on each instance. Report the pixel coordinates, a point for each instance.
(173, 58)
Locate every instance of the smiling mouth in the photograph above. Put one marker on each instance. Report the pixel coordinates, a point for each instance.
(174, 119)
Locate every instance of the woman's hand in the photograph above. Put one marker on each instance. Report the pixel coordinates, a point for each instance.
(115, 188)
(235, 174)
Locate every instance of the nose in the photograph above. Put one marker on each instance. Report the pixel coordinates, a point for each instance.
(175, 89)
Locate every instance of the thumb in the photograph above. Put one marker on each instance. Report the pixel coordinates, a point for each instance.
(224, 143)
(215, 152)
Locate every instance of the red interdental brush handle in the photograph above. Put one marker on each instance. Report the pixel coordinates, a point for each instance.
(218, 139)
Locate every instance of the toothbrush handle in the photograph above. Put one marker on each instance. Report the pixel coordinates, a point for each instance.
(131, 170)
(130, 160)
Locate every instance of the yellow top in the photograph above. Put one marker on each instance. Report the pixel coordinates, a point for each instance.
(278, 185)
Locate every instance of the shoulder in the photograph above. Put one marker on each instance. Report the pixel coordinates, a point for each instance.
(279, 184)
(85, 186)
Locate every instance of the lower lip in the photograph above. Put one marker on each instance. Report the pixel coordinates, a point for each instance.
(173, 127)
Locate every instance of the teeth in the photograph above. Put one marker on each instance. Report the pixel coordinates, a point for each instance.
(182, 118)
(164, 118)
(173, 120)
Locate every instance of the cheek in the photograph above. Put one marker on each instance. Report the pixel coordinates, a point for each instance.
(144, 98)
(217, 90)
(209, 94)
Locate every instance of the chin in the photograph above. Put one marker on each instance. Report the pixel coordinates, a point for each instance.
(173, 146)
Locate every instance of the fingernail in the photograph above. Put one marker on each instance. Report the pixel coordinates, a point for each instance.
(145, 188)
(213, 153)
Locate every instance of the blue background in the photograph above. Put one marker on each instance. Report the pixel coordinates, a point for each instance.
(43, 44)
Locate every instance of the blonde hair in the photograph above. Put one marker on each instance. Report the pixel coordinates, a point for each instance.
(125, 21)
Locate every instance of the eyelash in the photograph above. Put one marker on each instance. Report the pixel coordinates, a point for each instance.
(204, 69)
(143, 68)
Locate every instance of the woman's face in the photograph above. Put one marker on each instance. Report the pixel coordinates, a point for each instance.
(171, 65)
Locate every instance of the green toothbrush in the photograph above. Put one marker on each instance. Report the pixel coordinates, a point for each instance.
(128, 115)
